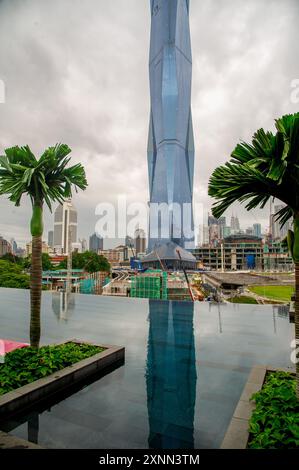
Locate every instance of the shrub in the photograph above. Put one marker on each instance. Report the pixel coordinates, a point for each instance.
(26, 365)
(275, 422)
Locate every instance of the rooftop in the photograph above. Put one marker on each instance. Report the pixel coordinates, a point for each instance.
(169, 251)
(185, 368)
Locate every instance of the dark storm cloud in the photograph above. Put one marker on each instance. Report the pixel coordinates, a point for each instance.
(77, 72)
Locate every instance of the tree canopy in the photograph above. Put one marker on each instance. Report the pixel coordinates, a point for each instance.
(12, 275)
(89, 261)
(268, 167)
(46, 262)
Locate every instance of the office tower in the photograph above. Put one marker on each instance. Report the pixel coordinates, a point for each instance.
(226, 231)
(84, 246)
(257, 230)
(212, 220)
(282, 232)
(5, 247)
(205, 235)
(51, 238)
(129, 241)
(96, 243)
(170, 141)
(222, 225)
(234, 224)
(275, 230)
(140, 241)
(14, 246)
(65, 225)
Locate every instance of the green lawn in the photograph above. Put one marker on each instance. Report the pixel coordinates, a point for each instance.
(242, 299)
(282, 293)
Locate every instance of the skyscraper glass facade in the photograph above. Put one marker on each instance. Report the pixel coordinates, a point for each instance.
(170, 142)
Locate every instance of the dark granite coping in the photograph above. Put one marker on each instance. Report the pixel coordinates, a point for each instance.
(38, 390)
(237, 434)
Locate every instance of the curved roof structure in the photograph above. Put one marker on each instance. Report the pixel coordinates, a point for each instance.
(168, 251)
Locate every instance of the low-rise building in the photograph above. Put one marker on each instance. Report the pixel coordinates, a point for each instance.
(5, 247)
(242, 252)
(115, 256)
(45, 248)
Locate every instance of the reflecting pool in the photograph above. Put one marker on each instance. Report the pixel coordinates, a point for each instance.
(185, 368)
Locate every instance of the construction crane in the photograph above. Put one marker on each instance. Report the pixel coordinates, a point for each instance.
(160, 261)
(186, 276)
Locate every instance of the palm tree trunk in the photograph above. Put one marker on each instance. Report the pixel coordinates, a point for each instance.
(36, 227)
(35, 290)
(297, 324)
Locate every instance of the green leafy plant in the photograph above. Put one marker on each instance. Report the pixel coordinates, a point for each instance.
(89, 261)
(264, 169)
(26, 365)
(275, 421)
(12, 275)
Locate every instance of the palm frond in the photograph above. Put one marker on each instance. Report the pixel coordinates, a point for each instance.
(268, 167)
(48, 179)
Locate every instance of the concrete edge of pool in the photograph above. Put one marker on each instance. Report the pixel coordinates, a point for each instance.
(7, 441)
(24, 397)
(237, 434)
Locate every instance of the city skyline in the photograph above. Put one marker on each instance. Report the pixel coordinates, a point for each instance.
(76, 92)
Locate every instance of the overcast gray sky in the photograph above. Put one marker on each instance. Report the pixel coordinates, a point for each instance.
(77, 72)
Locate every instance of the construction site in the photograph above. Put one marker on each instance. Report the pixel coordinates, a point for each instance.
(154, 284)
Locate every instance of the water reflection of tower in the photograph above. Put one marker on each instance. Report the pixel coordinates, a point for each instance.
(63, 304)
(171, 375)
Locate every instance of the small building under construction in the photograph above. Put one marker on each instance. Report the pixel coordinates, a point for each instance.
(149, 285)
(158, 284)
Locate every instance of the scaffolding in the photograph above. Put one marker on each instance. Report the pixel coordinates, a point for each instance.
(93, 283)
(87, 286)
(150, 285)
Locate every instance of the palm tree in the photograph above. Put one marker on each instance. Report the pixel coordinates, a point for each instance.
(267, 168)
(44, 180)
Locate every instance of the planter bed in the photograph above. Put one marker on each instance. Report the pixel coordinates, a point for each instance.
(100, 358)
(249, 416)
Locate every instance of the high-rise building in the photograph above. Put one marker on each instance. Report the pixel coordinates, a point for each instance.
(96, 243)
(257, 230)
(216, 229)
(226, 231)
(21, 252)
(212, 220)
(170, 142)
(65, 225)
(14, 246)
(214, 234)
(5, 247)
(45, 248)
(276, 231)
(140, 241)
(129, 241)
(51, 238)
(84, 246)
(222, 225)
(205, 235)
(234, 224)
(130, 247)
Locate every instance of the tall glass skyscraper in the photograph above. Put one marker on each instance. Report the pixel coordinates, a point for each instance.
(65, 225)
(170, 142)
